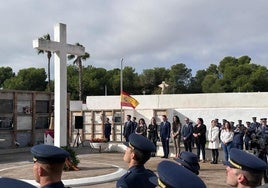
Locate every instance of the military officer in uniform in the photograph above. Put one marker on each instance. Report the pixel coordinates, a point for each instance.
(173, 175)
(244, 169)
(263, 152)
(138, 152)
(48, 165)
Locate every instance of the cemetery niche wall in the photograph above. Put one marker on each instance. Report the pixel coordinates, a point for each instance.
(93, 124)
(24, 117)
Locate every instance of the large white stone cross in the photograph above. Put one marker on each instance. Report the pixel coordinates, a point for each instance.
(61, 48)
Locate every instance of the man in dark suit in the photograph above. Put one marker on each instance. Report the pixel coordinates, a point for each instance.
(135, 124)
(128, 128)
(165, 135)
(107, 129)
(187, 132)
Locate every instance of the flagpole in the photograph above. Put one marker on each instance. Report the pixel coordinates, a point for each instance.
(121, 89)
(121, 76)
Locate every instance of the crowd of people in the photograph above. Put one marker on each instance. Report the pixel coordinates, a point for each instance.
(243, 168)
(225, 135)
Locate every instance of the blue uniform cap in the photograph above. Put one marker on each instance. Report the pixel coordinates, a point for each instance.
(245, 161)
(49, 154)
(140, 142)
(189, 160)
(173, 175)
(10, 182)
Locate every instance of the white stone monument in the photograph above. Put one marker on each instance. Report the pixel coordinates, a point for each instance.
(61, 49)
(163, 86)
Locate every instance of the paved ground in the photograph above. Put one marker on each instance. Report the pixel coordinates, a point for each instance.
(17, 163)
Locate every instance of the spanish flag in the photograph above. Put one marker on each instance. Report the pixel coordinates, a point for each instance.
(127, 100)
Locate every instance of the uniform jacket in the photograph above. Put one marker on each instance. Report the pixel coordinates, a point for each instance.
(254, 126)
(54, 185)
(136, 177)
(238, 136)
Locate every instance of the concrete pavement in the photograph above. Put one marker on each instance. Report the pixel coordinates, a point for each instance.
(96, 169)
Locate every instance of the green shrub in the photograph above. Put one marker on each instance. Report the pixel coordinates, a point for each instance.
(72, 162)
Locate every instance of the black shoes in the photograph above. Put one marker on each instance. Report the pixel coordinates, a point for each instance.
(213, 162)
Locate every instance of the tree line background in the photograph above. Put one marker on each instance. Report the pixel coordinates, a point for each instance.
(230, 75)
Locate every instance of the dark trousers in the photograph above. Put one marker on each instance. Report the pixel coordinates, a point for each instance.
(262, 155)
(201, 146)
(215, 155)
(246, 141)
(188, 145)
(238, 145)
(107, 138)
(247, 145)
(153, 153)
(126, 138)
(165, 144)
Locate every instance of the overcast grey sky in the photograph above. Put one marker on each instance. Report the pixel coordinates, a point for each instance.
(146, 33)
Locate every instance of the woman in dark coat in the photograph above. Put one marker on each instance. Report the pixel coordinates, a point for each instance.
(153, 132)
(141, 128)
(199, 133)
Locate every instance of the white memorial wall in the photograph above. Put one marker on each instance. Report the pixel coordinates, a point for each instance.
(230, 106)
